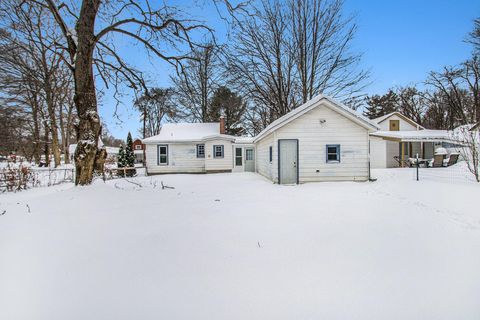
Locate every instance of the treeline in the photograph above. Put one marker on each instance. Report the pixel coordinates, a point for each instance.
(445, 100)
(37, 111)
(278, 56)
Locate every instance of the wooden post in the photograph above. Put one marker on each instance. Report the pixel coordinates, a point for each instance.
(402, 156)
(418, 165)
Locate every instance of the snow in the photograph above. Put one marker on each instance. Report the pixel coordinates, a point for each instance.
(236, 246)
(110, 150)
(181, 132)
(416, 135)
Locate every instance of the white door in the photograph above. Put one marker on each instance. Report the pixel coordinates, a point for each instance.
(249, 160)
(288, 161)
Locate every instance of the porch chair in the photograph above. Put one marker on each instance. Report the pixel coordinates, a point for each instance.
(402, 163)
(437, 161)
(452, 159)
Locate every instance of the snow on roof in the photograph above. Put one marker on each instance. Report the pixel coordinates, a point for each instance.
(475, 127)
(244, 139)
(404, 117)
(420, 135)
(183, 132)
(110, 150)
(219, 136)
(307, 106)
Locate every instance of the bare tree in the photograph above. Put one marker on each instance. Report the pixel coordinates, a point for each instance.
(411, 103)
(460, 86)
(34, 70)
(88, 32)
(322, 37)
(474, 36)
(289, 52)
(262, 62)
(155, 107)
(194, 86)
(469, 140)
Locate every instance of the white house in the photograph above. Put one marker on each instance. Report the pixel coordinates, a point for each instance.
(197, 148)
(400, 139)
(321, 140)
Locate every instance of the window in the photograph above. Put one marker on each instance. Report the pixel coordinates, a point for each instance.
(248, 154)
(200, 151)
(138, 147)
(162, 154)
(238, 156)
(270, 151)
(218, 151)
(333, 153)
(394, 125)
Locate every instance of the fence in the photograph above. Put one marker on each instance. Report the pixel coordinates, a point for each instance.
(450, 174)
(16, 178)
(22, 177)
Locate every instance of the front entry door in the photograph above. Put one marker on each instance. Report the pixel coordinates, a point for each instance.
(288, 161)
(249, 160)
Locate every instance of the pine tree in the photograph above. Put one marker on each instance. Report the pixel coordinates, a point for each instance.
(381, 105)
(129, 156)
(233, 108)
(121, 160)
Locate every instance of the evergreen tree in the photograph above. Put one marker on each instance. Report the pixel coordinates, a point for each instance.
(121, 160)
(232, 106)
(129, 156)
(378, 106)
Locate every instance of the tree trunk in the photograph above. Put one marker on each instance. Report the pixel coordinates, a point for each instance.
(47, 142)
(89, 128)
(53, 130)
(36, 132)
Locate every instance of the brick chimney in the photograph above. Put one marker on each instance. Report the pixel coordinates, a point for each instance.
(222, 124)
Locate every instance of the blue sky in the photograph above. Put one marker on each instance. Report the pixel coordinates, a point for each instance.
(402, 41)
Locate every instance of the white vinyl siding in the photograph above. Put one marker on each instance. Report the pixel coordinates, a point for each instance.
(224, 163)
(314, 136)
(404, 125)
(378, 153)
(182, 157)
(263, 164)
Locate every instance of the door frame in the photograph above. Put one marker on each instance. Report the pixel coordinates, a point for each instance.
(279, 162)
(235, 157)
(245, 159)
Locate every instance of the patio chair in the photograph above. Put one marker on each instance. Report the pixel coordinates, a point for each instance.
(452, 159)
(437, 161)
(402, 163)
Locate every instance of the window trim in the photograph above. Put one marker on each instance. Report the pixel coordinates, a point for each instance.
(198, 154)
(215, 154)
(158, 154)
(337, 146)
(270, 153)
(138, 147)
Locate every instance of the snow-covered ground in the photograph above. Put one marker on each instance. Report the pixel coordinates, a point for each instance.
(236, 246)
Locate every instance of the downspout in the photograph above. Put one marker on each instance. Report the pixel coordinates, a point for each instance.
(369, 164)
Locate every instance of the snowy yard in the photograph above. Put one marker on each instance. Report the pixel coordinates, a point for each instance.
(235, 246)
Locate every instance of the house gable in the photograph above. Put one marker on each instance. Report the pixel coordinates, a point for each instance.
(389, 121)
(319, 101)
